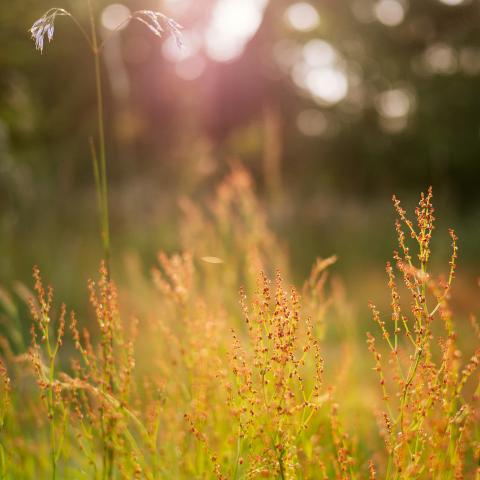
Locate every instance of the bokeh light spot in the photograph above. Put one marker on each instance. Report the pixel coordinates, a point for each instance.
(441, 58)
(390, 12)
(318, 53)
(394, 103)
(115, 16)
(302, 16)
(328, 85)
(312, 122)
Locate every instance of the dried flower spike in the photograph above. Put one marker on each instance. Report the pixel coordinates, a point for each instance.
(157, 22)
(45, 25)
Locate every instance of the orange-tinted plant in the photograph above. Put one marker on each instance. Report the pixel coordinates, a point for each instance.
(431, 407)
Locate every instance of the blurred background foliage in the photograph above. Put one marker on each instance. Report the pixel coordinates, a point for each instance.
(332, 105)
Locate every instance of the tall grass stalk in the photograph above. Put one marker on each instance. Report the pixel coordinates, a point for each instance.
(44, 27)
(100, 173)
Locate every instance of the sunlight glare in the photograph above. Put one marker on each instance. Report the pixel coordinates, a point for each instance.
(233, 24)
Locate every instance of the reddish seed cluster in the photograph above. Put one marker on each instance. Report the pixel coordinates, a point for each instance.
(176, 281)
(268, 397)
(256, 402)
(429, 410)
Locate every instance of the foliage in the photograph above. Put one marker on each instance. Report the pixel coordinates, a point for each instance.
(196, 386)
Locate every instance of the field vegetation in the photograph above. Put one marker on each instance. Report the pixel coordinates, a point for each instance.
(217, 362)
(216, 367)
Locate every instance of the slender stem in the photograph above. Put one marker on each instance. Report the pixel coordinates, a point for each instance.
(237, 457)
(3, 462)
(104, 214)
(280, 463)
(82, 30)
(100, 171)
(413, 370)
(103, 163)
(50, 401)
(96, 175)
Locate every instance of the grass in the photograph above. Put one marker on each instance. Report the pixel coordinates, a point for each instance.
(215, 368)
(221, 370)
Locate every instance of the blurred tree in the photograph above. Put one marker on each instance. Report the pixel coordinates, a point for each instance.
(355, 99)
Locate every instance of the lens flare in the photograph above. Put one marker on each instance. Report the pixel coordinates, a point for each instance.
(233, 24)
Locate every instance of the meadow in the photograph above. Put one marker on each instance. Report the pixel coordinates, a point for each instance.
(216, 367)
(216, 361)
